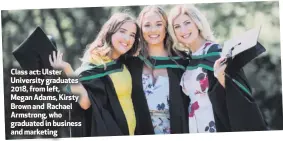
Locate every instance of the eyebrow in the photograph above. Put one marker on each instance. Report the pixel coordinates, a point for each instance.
(127, 30)
(186, 21)
(156, 22)
(183, 22)
(123, 28)
(175, 24)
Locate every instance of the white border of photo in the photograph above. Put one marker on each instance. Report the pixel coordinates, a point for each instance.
(35, 4)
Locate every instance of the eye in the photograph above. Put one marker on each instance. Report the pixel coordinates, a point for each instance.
(122, 31)
(187, 22)
(176, 26)
(133, 35)
(146, 25)
(159, 24)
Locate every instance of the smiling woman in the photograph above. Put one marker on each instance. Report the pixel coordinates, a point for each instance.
(157, 95)
(217, 102)
(153, 28)
(105, 86)
(123, 39)
(187, 31)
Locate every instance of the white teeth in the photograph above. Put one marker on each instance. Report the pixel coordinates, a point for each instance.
(124, 44)
(153, 36)
(187, 35)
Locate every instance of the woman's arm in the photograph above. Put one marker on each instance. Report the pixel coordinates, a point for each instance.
(232, 97)
(58, 63)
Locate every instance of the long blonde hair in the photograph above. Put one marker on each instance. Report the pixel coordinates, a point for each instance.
(167, 41)
(198, 18)
(105, 35)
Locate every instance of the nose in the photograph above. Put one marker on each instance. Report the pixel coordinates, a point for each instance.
(126, 38)
(153, 29)
(184, 29)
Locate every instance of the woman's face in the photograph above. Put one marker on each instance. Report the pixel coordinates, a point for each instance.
(185, 29)
(124, 38)
(153, 28)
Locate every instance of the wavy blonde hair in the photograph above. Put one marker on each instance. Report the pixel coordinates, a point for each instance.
(198, 18)
(104, 38)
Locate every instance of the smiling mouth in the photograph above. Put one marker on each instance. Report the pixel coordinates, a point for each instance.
(187, 35)
(124, 45)
(154, 36)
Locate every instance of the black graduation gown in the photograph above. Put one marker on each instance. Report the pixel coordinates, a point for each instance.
(105, 117)
(234, 107)
(177, 100)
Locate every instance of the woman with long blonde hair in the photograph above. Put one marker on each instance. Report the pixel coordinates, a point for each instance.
(220, 96)
(157, 97)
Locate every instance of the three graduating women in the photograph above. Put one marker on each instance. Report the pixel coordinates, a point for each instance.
(161, 91)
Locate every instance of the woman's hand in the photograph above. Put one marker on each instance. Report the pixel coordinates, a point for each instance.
(58, 63)
(219, 71)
